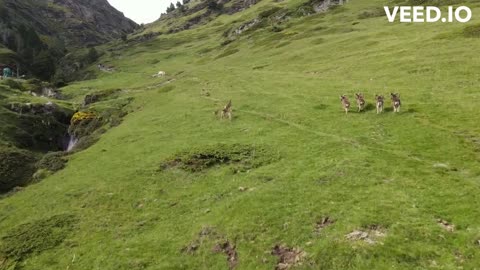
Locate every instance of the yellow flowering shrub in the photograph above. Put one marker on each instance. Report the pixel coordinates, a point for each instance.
(82, 116)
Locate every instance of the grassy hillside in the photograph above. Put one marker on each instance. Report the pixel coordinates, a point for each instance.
(356, 191)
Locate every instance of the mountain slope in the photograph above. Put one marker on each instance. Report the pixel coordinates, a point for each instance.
(399, 190)
(41, 32)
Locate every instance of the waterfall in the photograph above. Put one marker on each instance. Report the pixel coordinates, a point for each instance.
(72, 141)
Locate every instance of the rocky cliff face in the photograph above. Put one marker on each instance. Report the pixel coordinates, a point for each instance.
(43, 31)
(89, 22)
(74, 22)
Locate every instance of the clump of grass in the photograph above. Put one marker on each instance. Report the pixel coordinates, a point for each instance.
(244, 157)
(227, 53)
(372, 13)
(269, 12)
(34, 237)
(472, 31)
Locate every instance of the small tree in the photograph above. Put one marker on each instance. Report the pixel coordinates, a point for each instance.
(170, 8)
(92, 55)
(178, 4)
(212, 5)
(124, 37)
(186, 2)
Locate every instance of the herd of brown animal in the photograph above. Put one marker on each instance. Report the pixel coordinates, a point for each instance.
(226, 112)
(379, 99)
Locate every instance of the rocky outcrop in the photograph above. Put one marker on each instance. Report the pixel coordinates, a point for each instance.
(38, 126)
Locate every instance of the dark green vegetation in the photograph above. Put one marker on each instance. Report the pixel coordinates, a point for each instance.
(334, 191)
(40, 33)
(33, 238)
(244, 157)
(16, 167)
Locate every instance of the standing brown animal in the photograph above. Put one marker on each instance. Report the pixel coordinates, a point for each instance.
(360, 101)
(379, 100)
(227, 111)
(345, 103)
(396, 102)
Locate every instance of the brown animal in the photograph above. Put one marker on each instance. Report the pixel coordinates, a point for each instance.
(396, 102)
(360, 101)
(227, 111)
(379, 100)
(345, 103)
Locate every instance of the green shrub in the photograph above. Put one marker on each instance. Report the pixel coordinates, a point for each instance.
(86, 141)
(14, 84)
(40, 175)
(16, 168)
(53, 161)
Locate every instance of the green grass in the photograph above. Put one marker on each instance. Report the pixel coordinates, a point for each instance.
(400, 172)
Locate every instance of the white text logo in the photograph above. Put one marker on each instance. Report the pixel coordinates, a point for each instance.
(429, 14)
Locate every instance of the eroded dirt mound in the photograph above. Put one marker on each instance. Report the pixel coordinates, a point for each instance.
(229, 250)
(243, 157)
(287, 257)
(370, 235)
(449, 227)
(323, 223)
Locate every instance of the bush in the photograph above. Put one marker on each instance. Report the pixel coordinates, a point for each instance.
(40, 175)
(14, 84)
(16, 168)
(85, 142)
(53, 161)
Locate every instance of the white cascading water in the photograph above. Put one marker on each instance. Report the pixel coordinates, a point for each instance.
(71, 143)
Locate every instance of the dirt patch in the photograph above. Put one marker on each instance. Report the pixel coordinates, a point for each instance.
(205, 233)
(33, 238)
(370, 235)
(446, 225)
(323, 223)
(244, 157)
(287, 257)
(230, 250)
